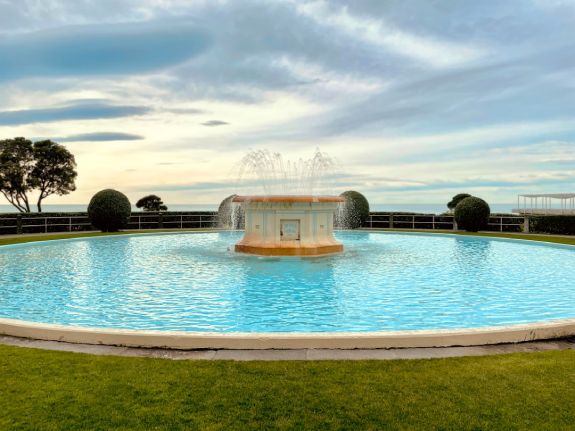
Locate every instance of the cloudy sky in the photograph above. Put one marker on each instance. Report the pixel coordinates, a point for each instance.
(416, 100)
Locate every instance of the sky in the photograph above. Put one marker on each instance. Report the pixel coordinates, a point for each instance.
(415, 100)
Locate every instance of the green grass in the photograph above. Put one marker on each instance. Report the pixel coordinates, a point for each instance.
(32, 238)
(531, 236)
(45, 390)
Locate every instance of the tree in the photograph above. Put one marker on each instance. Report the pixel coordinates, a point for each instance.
(16, 164)
(456, 199)
(44, 166)
(151, 203)
(54, 171)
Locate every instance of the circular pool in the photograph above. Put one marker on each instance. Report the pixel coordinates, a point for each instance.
(194, 283)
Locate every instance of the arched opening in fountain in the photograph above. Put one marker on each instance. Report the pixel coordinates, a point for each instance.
(293, 215)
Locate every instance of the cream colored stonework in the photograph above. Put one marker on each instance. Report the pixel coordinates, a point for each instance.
(334, 340)
(308, 225)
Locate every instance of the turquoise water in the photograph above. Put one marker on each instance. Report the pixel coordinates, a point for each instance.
(194, 282)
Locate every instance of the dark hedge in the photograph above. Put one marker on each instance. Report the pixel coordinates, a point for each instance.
(472, 214)
(109, 210)
(355, 210)
(456, 199)
(556, 224)
(43, 214)
(227, 217)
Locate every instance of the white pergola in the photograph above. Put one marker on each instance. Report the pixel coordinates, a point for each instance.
(546, 204)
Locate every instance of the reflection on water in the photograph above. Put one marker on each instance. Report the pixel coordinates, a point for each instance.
(298, 287)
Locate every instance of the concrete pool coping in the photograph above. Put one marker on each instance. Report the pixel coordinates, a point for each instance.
(260, 341)
(294, 354)
(409, 339)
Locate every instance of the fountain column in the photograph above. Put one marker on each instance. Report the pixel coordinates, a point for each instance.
(289, 225)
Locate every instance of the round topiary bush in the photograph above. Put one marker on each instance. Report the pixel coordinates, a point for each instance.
(354, 211)
(456, 199)
(109, 210)
(472, 214)
(230, 215)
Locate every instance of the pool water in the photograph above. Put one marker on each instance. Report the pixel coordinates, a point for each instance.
(195, 282)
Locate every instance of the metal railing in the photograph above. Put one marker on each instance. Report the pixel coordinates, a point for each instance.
(23, 223)
(79, 222)
(497, 223)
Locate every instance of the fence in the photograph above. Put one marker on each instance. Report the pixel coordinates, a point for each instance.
(78, 222)
(497, 223)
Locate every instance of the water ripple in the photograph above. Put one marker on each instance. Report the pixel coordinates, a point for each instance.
(192, 282)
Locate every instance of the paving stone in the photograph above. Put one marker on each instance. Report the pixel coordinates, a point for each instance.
(177, 355)
(291, 355)
(261, 355)
(356, 354)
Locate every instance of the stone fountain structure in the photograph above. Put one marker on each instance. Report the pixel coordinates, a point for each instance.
(284, 225)
(289, 218)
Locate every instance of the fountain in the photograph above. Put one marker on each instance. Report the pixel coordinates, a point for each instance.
(289, 219)
(284, 225)
(505, 290)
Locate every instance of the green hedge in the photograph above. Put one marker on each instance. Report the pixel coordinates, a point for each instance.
(456, 199)
(355, 210)
(47, 214)
(472, 214)
(557, 224)
(109, 210)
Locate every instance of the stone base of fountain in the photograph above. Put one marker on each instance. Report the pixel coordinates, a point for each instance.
(289, 225)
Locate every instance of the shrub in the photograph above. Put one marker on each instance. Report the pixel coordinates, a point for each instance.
(456, 199)
(109, 210)
(554, 224)
(354, 211)
(472, 214)
(230, 215)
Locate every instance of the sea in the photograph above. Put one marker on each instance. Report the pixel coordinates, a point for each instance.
(416, 208)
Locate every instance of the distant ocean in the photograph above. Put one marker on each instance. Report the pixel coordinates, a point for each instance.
(416, 208)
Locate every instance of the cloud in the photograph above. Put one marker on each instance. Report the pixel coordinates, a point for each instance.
(74, 111)
(558, 164)
(440, 94)
(429, 50)
(112, 49)
(471, 184)
(197, 186)
(100, 137)
(185, 110)
(215, 123)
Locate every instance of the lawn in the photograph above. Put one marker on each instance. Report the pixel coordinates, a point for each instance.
(45, 390)
(532, 237)
(32, 238)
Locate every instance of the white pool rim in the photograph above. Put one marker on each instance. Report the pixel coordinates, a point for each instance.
(181, 340)
(545, 330)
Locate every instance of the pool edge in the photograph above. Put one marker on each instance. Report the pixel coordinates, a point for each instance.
(260, 341)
